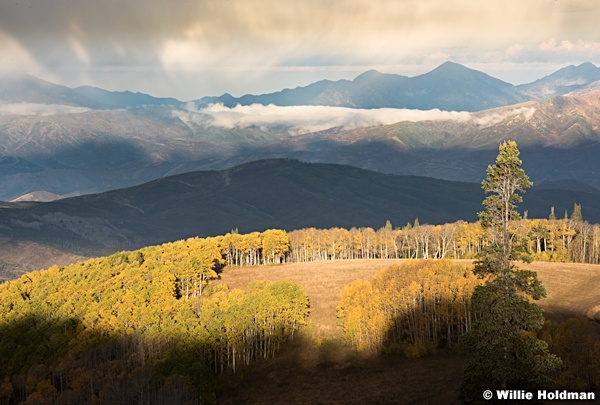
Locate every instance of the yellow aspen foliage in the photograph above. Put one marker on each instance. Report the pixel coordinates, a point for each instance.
(275, 246)
(414, 307)
(124, 327)
(361, 315)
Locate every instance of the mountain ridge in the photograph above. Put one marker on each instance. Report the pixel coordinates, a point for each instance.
(450, 86)
(95, 151)
(273, 193)
(569, 79)
(25, 88)
(365, 91)
(77, 152)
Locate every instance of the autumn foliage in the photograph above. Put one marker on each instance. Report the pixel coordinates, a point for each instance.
(137, 327)
(416, 307)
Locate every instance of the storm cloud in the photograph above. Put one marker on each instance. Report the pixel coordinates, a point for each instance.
(188, 49)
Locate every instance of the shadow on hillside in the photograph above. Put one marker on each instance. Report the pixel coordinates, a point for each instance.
(306, 372)
(57, 360)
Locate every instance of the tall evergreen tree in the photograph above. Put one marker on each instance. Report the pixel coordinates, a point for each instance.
(503, 350)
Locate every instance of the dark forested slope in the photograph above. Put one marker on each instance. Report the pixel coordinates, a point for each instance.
(284, 194)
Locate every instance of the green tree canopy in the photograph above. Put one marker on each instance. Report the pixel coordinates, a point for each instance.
(503, 350)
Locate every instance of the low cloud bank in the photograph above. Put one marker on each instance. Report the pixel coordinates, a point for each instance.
(39, 109)
(493, 118)
(306, 119)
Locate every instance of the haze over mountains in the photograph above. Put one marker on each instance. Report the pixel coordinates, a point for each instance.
(27, 89)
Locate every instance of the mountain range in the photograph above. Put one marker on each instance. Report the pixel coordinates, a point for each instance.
(57, 141)
(277, 193)
(98, 150)
(24, 88)
(450, 87)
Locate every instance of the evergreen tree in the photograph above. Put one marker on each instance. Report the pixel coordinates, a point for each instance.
(503, 350)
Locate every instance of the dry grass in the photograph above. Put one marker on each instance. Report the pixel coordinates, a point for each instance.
(572, 288)
(323, 282)
(319, 369)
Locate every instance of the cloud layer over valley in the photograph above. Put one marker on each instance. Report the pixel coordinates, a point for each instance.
(307, 119)
(39, 109)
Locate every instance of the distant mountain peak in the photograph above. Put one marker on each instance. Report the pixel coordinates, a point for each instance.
(586, 68)
(564, 81)
(452, 70)
(588, 65)
(451, 65)
(368, 75)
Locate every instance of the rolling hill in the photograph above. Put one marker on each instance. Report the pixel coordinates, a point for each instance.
(279, 193)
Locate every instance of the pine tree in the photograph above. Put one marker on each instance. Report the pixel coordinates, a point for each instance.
(503, 350)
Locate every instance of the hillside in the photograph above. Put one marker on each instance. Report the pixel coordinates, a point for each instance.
(137, 325)
(315, 367)
(284, 194)
(304, 375)
(558, 139)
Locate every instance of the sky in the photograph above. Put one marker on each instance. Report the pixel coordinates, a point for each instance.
(193, 48)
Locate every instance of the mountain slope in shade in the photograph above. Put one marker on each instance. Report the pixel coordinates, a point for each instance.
(123, 99)
(566, 80)
(278, 193)
(450, 86)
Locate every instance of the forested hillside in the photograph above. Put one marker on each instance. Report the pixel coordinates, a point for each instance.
(137, 327)
(282, 194)
(569, 239)
(147, 326)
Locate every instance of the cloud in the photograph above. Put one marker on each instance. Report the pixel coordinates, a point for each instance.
(297, 120)
(187, 44)
(306, 119)
(39, 109)
(494, 117)
(553, 50)
(14, 56)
